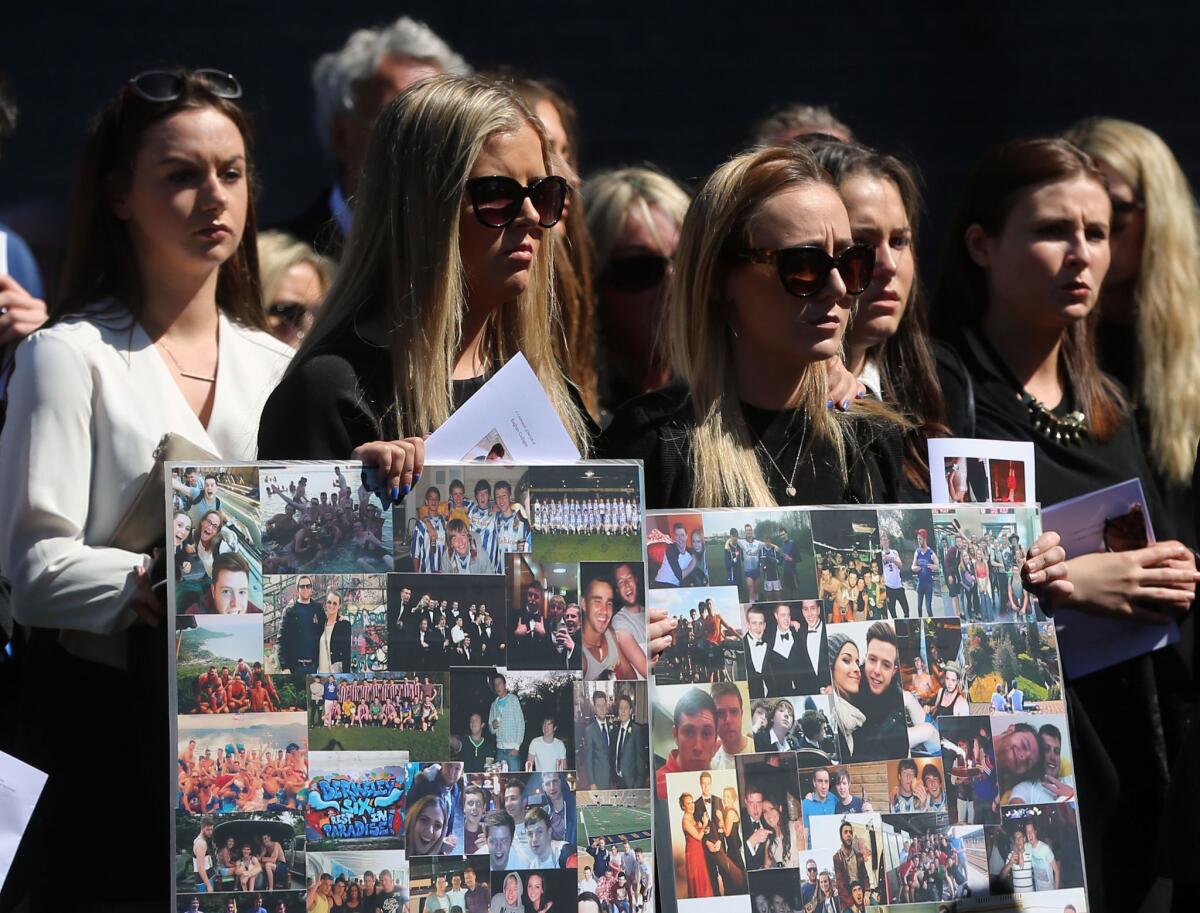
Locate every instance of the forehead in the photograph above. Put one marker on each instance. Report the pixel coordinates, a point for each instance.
(1071, 199)
(201, 133)
(517, 154)
(809, 214)
(881, 649)
(874, 199)
(648, 228)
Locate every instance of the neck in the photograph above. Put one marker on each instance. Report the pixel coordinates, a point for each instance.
(178, 306)
(768, 383)
(856, 356)
(1031, 354)
(473, 358)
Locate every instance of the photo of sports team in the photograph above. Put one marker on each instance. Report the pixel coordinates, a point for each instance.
(875, 727)
(443, 700)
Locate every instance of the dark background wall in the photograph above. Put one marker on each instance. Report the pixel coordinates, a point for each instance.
(675, 84)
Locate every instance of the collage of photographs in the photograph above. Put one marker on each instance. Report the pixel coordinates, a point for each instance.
(434, 707)
(862, 708)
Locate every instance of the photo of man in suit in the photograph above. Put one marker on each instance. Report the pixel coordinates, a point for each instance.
(755, 646)
(714, 838)
(598, 747)
(783, 654)
(300, 631)
(754, 831)
(631, 767)
(813, 667)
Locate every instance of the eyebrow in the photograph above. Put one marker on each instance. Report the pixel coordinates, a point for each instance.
(177, 158)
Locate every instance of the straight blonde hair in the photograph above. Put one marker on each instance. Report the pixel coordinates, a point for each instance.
(402, 259)
(1167, 295)
(278, 252)
(724, 453)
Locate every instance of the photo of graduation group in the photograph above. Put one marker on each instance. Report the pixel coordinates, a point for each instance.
(438, 706)
(860, 708)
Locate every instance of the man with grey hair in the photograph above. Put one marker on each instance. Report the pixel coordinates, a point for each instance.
(788, 123)
(352, 85)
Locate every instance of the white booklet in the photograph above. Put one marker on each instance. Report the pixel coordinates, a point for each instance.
(20, 786)
(1113, 519)
(510, 419)
(968, 471)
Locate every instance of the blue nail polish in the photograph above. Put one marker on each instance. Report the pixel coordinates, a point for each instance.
(845, 405)
(860, 394)
(828, 404)
(395, 494)
(405, 490)
(416, 478)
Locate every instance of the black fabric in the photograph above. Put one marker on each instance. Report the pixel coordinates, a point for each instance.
(334, 399)
(317, 226)
(958, 392)
(1128, 721)
(655, 428)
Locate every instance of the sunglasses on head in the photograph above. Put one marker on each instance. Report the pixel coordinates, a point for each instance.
(498, 200)
(805, 270)
(635, 272)
(168, 85)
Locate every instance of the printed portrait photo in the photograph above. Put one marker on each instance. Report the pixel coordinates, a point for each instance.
(969, 764)
(248, 853)
(586, 513)
(988, 549)
(612, 735)
(325, 623)
(705, 835)
(928, 860)
(444, 622)
(706, 644)
(849, 565)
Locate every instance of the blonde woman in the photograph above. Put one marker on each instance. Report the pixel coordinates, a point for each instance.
(446, 275)
(633, 217)
(1149, 330)
(764, 278)
(295, 279)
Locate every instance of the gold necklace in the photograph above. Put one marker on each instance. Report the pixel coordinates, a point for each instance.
(182, 372)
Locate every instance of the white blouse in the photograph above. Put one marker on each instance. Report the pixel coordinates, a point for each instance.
(89, 400)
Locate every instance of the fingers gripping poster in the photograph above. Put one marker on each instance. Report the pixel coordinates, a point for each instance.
(438, 706)
(861, 708)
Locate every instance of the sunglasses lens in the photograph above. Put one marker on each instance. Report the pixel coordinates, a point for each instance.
(804, 270)
(549, 197)
(855, 266)
(223, 85)
(636, 273)
(158, 85)
(496, 200)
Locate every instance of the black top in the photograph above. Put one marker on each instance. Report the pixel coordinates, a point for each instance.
(1064, 470)
(335, 398)
(654, 428)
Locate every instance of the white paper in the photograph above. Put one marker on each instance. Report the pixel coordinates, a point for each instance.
(1087, 643)
(3, 254)
(20, 786)
(995, 472)
(510, 419)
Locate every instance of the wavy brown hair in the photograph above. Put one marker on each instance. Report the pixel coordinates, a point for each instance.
(961, 299)
(908, 374)
(100, 260)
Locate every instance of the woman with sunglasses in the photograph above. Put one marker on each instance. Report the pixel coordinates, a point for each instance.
(158, 328)
(1029, 254)
(633, 218)
(1148, 335)
(446, 275)
(764, 278)
(295, 279)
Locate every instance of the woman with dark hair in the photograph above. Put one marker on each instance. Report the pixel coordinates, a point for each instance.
(159, 329)
(887, 344)
(1029, 251)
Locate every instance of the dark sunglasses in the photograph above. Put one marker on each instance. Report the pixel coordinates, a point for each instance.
(168, 85)
(290, 312)
(635, 273)
(497, 201)
(805, 270)
(1125, 207)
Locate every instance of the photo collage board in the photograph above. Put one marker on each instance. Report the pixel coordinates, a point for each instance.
(433, 706)
(861, 708)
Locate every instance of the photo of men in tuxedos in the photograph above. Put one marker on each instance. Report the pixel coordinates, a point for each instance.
(754, 645)
(599, 746)
(631, 759)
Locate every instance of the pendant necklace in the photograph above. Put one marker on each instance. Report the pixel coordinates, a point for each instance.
(789, 481)
(182, 373)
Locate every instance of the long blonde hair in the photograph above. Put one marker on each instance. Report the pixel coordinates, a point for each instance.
(278, 252)
(402, 258)
(1167, 295)
(726, 466)
(611, 195)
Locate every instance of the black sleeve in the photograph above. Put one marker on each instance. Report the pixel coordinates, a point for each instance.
(958, 393)
(316, 413)
(652, 429)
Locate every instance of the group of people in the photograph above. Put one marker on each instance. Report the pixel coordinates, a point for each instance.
(619, 879)
(437, 634)
(407, 705)
(461, 537)
(704, 647)
(369, 894)
(522, 821)
(254, 866)
(456, 249)
(614, 750)
(761, 567)
(933, 868)
(316, 637)
(594, 516)
(244, 690)
(309, 530)
(225, 777)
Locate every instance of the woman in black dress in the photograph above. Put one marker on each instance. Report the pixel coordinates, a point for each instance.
(1017, 298)
(446, 275)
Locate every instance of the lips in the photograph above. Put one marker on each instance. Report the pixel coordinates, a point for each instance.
(216, 231)
(522, 253)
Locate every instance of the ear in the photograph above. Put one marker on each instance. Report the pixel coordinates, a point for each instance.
(979, 245)
(118, 198)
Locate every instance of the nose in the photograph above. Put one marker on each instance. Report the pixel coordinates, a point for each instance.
(835, 289)
(214, 198)
(885, 262)
(1079, 250)
(528, 214)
